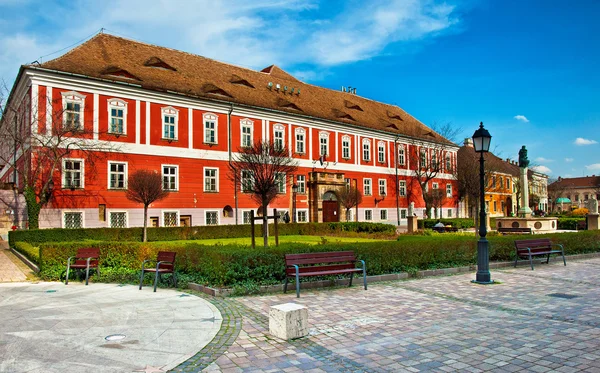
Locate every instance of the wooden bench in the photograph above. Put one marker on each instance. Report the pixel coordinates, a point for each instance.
(537, 247)
(322, 264)
(511, 230)
(165, 263)
(84, 259)
(444, 229)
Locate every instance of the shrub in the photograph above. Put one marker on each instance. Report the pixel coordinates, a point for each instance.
(32, 253)
(582, 211)
(457, 223)
(568, 223)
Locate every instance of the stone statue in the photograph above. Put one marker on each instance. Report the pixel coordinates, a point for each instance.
(523, 160)
(411, 209)
(593, 206)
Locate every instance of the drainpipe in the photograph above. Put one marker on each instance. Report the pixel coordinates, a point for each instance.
(397, 186)
(234, 170)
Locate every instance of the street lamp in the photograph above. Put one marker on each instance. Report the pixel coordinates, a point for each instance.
(481, 142)
(294, 191)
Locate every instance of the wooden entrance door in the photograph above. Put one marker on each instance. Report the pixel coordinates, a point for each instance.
(330, 211)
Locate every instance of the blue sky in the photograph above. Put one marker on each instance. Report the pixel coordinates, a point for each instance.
(527, 69)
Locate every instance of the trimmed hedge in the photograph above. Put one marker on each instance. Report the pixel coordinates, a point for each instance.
(31, 252)
(38, 236)
(568, 223)
(457, 223)
(242, 266)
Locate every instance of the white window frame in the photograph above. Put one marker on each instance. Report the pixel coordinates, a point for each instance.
(216, 179)
(402, 188)
(82, 172)
(249, 216)
(324, 143)
(162, 172)
(423, 158)
(365, 214)
(170, 111)
(162, 217)
(401, 155)
(117, 104)
(403, 213)
(449, 213)
(279, 129)
(381, 218)
(384, 185)
(346, 147)
(366, 150)
(246, 123)
(65, 212)
(284, 178)
(350, 216)
(448, 163)
(118, 212)
(214, 119)
(206, 212)
(449, 190)
(73, 97)
(381, 152)
(303, 183)
(435, 185)
(300, 132)
(304, 211)
(125, 174)
(368, 185)
(242, 181)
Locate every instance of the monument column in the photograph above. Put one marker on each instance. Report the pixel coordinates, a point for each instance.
(524, 210)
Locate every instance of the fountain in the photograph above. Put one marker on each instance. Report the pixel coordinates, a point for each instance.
(524, 219)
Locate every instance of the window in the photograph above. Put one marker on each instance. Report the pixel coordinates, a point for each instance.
(300, 141)
(383, 215)
(403, 214)
(495, 206)
(278, 136)
(423, 159)
(301, 183)
(247, 128)
(170, 219)
(401, 155)
(280, 182)
(302, 216)
(507, 183)
(585, 197)
(118, 220)
(323, 143)
(493, 181)
(382, 187)
(247, 181)
(367, 187)
(73, 104)
(448, 164)
(212, 218)
(117, 175)
(402, 188)
(449, 213)
(368, 215)
(117, 114)
(246, 217)
(211, 179)
(73, 176)
(434, 186)
(350, 215)
(381, 152)
(502, 206)
(449, 190)
(346, 147)
(499, 182)
(347, 182)
(170, 178)
(170, 119)
(73, 220)
(434, 162)
(366, 150)
(210, 128)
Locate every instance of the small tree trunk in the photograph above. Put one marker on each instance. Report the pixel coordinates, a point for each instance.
(265, 227)
(145, 236)
(33, 208)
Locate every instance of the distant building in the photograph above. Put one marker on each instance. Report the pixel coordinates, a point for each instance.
(575, 192)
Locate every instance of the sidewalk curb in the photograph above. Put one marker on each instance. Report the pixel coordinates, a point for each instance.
(24, 259)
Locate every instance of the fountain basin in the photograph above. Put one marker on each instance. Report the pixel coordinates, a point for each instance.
(537, 224)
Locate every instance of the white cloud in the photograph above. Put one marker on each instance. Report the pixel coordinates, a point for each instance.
(543, 160)
(593, 167)
(581, 141)
(568, 160)
(522, 118)
(542, 169)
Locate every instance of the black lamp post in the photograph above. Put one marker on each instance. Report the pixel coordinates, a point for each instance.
(481, 142)
(294, 191)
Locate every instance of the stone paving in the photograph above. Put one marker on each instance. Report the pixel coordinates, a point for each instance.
(11, 268)
(547, 320)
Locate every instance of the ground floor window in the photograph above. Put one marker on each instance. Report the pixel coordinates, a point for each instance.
(302, 216)
(403, 214)
(118, 220)
(212, 218)
(383, 215)
(368, 215)
(449, 213)
(170, 218)
(246, 217)
(73, 220)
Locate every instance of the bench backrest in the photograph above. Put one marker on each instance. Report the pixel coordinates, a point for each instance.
(540, 244)
(167, 256)
(327, 261)
(89, 252)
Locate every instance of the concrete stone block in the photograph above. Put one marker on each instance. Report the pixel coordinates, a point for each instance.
(288, 321)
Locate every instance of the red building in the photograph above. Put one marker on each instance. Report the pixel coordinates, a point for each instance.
(184, 116)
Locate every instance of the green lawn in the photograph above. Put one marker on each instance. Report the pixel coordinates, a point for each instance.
(310, 240)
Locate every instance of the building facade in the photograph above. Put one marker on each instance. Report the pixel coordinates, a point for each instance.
(185, 116)
(575, 192)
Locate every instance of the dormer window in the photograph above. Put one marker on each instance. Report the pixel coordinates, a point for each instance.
(170, 120)
(73, 104)
(210, 128)
(117, 116)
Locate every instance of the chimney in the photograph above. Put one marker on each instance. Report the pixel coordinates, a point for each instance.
(468, 142)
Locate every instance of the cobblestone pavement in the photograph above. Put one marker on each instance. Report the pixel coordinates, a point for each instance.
(547, 320)
(11, 268)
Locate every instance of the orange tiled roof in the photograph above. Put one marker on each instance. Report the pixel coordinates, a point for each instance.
(162, 69)
(577, 182)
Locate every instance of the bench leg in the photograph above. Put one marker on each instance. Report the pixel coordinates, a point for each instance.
(68, 268)
(297, 286)
(141, 278)
(365, 275)
(174, 279)
(564, 260)
(530, 262)
(351, 277)
(548, 259)
(516, 260)
(87, 274)
(285, 285)
(155, 281)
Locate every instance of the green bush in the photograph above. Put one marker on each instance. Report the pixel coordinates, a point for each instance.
(32, 253)
(457, 223)
(38, 236)
(568, 223)
(245, 268)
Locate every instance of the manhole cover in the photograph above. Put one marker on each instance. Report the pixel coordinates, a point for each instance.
(115, 337)
(564, 296)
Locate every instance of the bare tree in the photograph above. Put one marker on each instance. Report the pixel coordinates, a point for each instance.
(349, 198)
(263, 168)
(33, 146)
(435, 198)
(145, 187)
